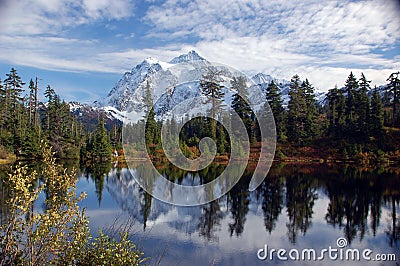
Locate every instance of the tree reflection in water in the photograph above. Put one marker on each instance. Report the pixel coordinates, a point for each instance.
(97, 172)
(355, 197)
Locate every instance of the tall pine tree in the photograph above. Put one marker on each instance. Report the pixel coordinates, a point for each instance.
(276, 104)
(394, 89)
(311, 127)
(336, 112)
(101, 142)
(362, 108)
(297, 112)
(240, 104)
(151, 124)
(350, 88)
(15, 107)
(376, 121)
(210, 85)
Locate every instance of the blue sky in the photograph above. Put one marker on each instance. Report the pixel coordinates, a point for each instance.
(82, 47)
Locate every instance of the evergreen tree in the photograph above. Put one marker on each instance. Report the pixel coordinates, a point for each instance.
(394, 88)
(310, 124)
(211, 87)
(151, 124)
(36, 114)
(222, 141)
(49, 93)
(240, 104)
(336, 111)
(14, 83)
(362, 107)
(116, 136)
(101, 142)
(60, 127)
(15, 107)
(297, 112)
(376, 122)
(3, 105)
(276, 104)
(32, 104)
(31, 143)
(350, 88)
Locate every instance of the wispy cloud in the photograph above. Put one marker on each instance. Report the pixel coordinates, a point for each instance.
(282, 37)
(32, 17)
(35, 33)
(321, 40)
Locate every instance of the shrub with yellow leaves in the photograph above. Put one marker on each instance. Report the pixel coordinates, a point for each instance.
(60, 234)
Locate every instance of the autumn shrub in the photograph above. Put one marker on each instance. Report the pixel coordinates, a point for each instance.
(59, 234)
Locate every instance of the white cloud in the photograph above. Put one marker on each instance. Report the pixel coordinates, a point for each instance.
(32, 17)
(328, 26)
(115, 9)
(322, 40)
(33, 33)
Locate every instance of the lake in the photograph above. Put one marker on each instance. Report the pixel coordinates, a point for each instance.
(297, 207)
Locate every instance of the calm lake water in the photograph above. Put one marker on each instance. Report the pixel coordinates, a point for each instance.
(298, 206)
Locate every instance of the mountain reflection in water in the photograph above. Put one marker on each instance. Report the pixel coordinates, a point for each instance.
(298, 205)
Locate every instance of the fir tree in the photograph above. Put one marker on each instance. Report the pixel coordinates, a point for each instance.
(14, 84)
(60, 127)
(376, 122)
(15, 107)
(210, 86)
(240, 104)
(276, 104)
(3, 103)
(362, 106)
(394, 88)
(31, 143)
(221, 141)
(350, 88)
(101, 142)
(116, 136)
(297, 112)
(336, 111)
(32, 104)
(151, 124)
(310, 124)
(49, 93)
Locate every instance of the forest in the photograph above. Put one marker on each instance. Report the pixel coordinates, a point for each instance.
(354, 122)
(25, 121)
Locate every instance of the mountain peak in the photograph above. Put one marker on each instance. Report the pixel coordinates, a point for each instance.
(148, 65)
(151, 60)
(189, 57)
(261, 78)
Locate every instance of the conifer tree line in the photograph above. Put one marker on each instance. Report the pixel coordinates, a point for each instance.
(353, 118)
(25, 121)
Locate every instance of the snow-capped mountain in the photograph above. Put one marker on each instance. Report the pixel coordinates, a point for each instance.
(89, 115)
(178, 81)
(128, 195)
(189, 57)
